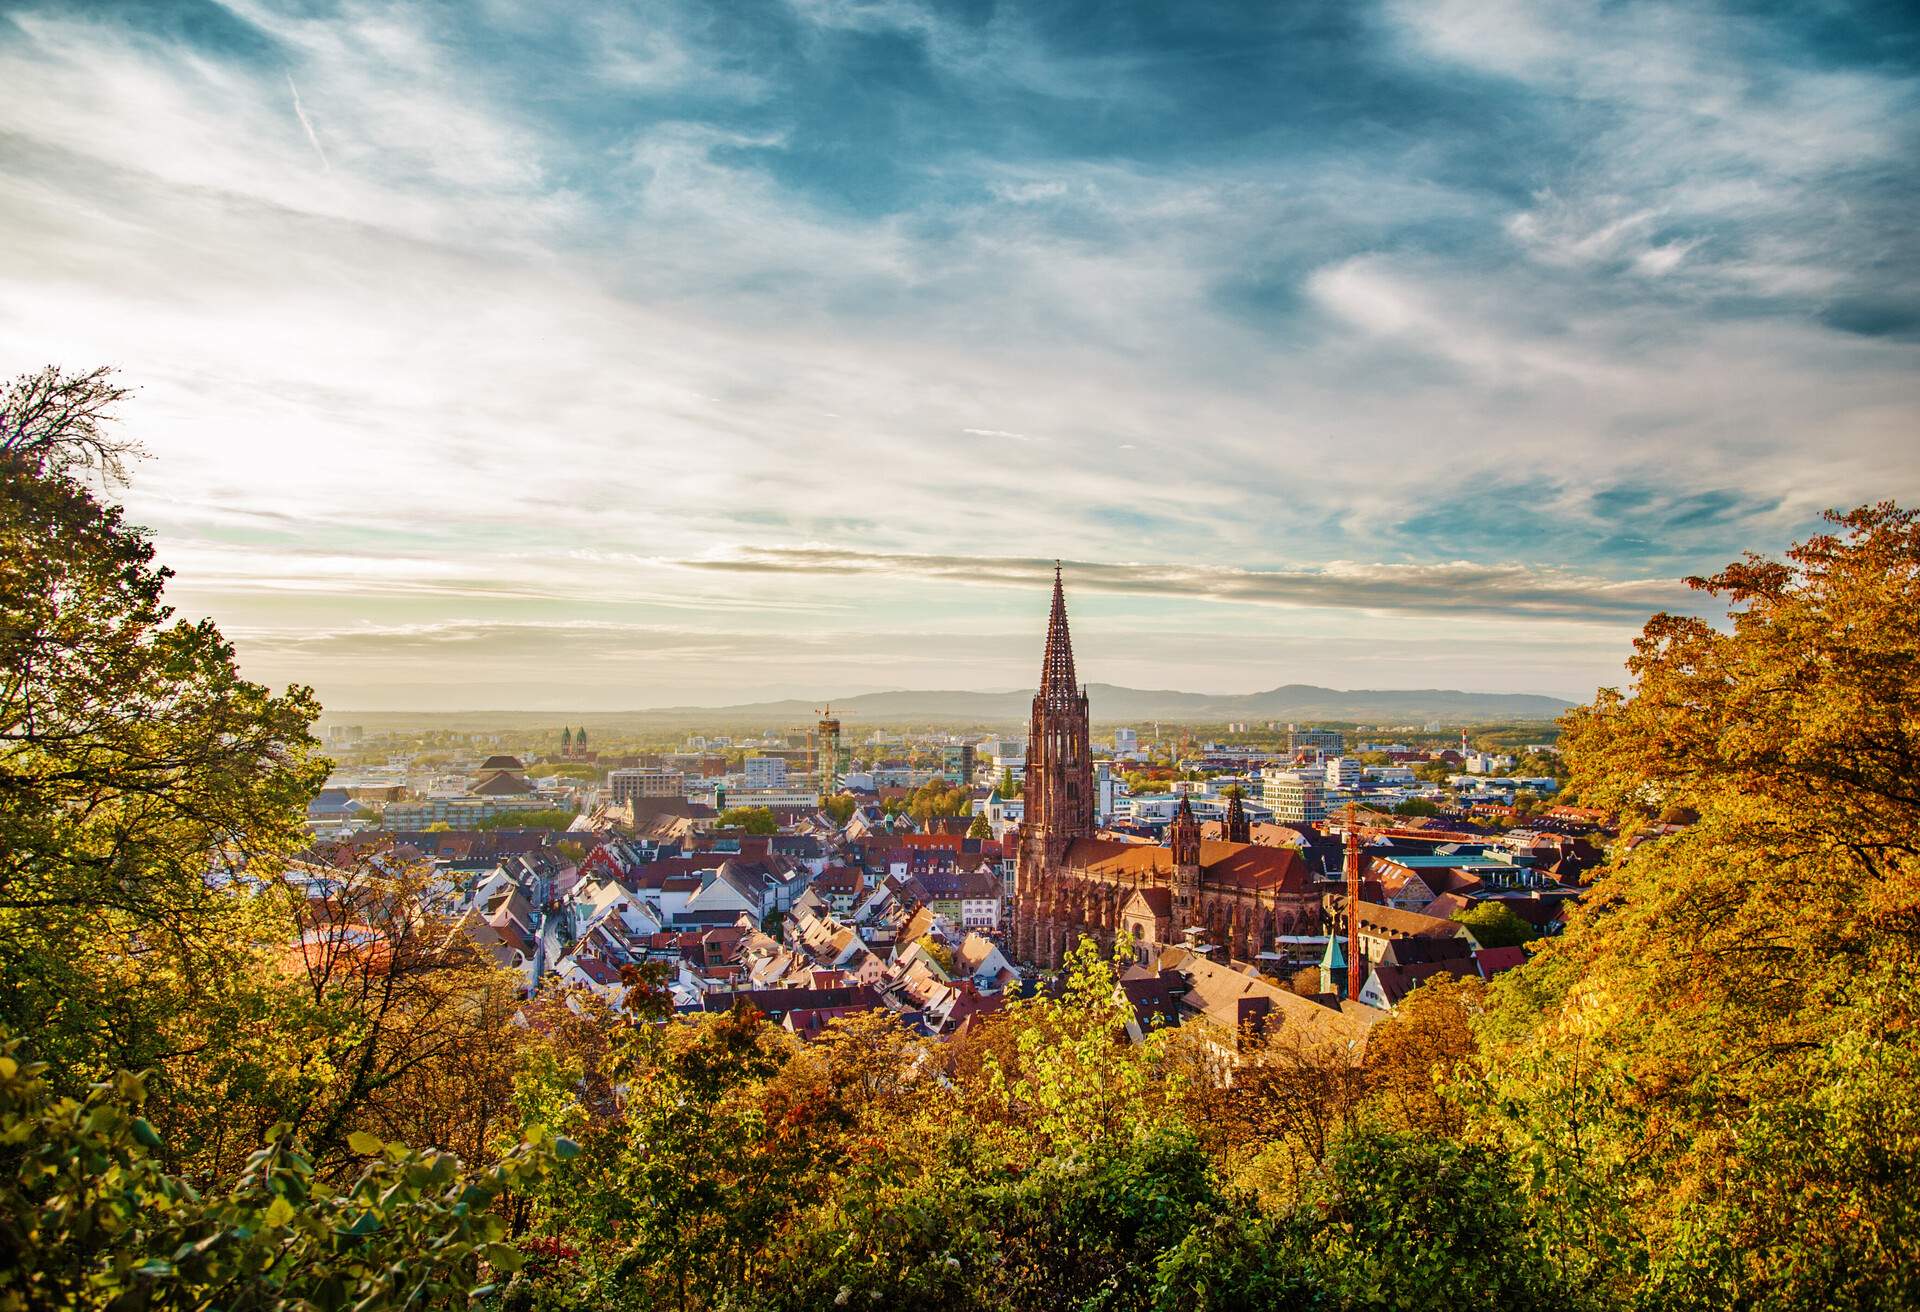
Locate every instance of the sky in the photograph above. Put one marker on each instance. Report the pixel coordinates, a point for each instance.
(570, 356)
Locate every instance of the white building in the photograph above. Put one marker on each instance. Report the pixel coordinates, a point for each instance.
(1343, 772)
(1105, 793)
(1294, 797)
(766, 772)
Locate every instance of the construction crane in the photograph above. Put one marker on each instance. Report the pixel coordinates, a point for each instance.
(1354, 979)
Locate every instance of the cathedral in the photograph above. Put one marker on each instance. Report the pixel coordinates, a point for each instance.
(1071, 882)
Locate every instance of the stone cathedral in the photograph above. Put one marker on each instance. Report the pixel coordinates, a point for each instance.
(1071, 883)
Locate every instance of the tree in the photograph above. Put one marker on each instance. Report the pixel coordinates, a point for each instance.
(141, 778)
(1417, 1057)
(91, 1218)
(1494, 925)
(751, 819)
(1709, 1055)
(1416, 806)
(980, 828)
(547, 818)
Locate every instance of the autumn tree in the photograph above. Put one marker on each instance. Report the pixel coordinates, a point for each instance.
(1711, 1070)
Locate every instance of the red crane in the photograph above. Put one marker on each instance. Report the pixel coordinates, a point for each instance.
(1354, 980)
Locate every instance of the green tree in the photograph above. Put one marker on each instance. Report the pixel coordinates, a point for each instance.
(547, 818)
(90, 1218)
(1494, 925)
(980, 828)
(141, 778)
(749, 819)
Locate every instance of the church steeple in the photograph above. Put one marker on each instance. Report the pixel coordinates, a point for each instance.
(1058, 687)
(1058, 795)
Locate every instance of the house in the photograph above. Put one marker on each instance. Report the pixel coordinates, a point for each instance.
(980, 960)
(1381, 925)
(1386, 985)
(1242, 1007)
(594, 974)
(333, 809)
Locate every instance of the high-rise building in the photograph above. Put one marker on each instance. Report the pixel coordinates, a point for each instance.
(828, 761)
(1125, 740)
(957, 762)
(1294, 796)
(1344, 772)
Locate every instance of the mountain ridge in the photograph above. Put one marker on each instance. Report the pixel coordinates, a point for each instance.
(1112, 702)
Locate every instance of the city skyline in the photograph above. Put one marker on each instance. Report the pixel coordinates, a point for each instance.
(489, 359)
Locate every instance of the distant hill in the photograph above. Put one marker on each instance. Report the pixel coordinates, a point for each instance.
(1294, 701)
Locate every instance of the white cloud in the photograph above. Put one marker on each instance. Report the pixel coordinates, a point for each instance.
(411, 347)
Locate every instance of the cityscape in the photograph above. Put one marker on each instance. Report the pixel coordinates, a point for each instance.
(955, 656)
(905, 872)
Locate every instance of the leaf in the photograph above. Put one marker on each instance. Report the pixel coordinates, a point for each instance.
(367, 1145)
(279, 1212)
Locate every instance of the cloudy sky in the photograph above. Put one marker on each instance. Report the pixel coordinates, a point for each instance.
(604, 356)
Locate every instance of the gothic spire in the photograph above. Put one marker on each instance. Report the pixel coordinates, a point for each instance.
(1058, 687)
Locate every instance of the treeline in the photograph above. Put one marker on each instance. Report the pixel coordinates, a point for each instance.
(238, 1076)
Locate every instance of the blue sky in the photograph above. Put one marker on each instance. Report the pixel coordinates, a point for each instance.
(610, 356)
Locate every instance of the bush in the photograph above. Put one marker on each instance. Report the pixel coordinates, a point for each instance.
(90, 1218)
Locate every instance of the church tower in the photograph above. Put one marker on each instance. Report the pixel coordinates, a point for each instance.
(1058, 789)
(1238, 830)
(1183, 837)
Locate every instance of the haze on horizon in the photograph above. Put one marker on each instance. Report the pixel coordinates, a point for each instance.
(494, 358)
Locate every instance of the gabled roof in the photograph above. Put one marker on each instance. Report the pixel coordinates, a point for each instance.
(1392, 922)
(1234, 1000)
(1155, 900)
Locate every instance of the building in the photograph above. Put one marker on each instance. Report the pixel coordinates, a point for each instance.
(645, 781)
(1125, 741)
(957, 762)
(1294, 797)
(1330, 741)
(1070, 885)
(765, 773)
(829, 758)
(1344, 772)
(1106, 793)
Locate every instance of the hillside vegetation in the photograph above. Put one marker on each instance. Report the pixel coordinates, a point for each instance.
(1705, 1094)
